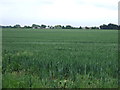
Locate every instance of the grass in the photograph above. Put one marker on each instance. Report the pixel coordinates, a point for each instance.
(55, 58)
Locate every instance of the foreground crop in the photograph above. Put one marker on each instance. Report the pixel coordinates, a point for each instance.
(59, 59)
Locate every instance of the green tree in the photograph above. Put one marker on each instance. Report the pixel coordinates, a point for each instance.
(94, 27)
(27, 26)
(43, 26)
(17, 26)
(35, 26)
(87, 27)
(69, 27)
(80, 27)
(58, 27)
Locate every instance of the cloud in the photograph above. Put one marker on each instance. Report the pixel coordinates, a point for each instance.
(92, 12)
(105, 3)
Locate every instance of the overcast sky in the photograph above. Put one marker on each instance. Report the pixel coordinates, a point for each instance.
(63, 12)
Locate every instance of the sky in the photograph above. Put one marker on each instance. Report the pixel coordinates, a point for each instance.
(59, 12)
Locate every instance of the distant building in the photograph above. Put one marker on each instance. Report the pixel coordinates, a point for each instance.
(37, 27)
(48, 27)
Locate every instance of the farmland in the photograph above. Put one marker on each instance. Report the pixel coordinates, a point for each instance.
(59, 58)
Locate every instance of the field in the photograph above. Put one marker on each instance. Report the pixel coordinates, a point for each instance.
(57, 58)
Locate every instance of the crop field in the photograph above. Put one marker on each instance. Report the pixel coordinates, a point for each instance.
(58, 58)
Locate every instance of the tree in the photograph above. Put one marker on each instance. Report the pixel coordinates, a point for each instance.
(43, 26)
(80, 27)
(87, 27)
(6, 26)
(103, 26)
(48, 26)
(35, 26)
(58, 27)
(51, 27)
(69, 27)
(109, 26)
(63, 27)
(17, 26)
(112, 26)
(94, 27)
(27, 26)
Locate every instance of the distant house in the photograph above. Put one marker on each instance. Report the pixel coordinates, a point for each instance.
(83, 27)
(47, 27)
(37, 27)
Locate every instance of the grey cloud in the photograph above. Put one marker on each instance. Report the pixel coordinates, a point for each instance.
(34, 11)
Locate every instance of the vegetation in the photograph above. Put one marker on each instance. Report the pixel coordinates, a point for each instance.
(109, 26)
(35, 26)
(53, 58)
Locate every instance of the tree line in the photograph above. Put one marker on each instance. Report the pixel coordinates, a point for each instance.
(35, 26)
